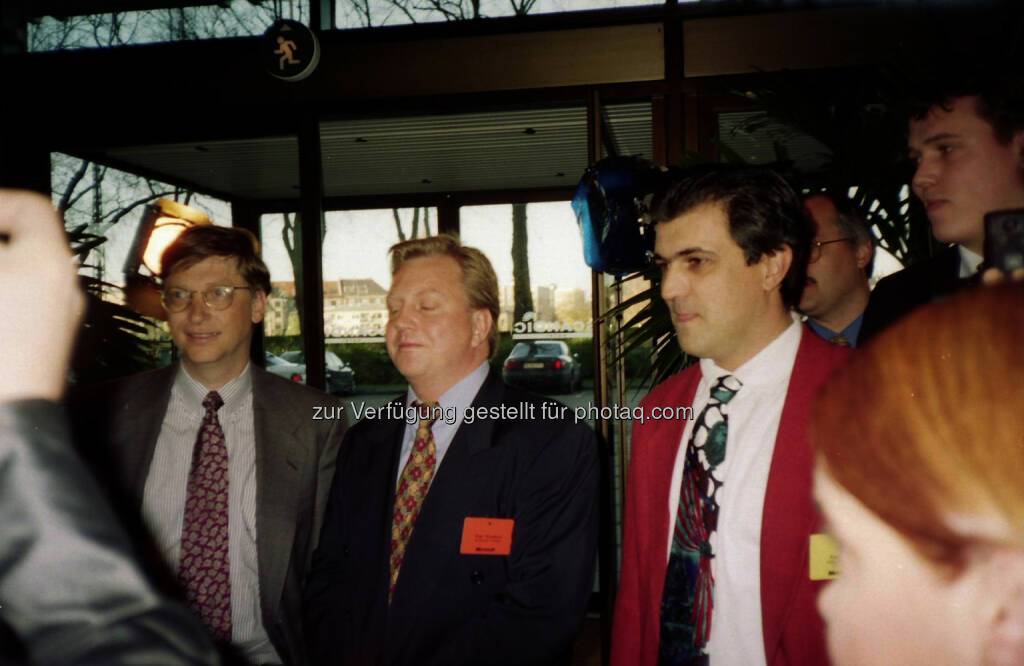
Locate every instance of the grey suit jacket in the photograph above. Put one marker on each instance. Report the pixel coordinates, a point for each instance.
(119, 424)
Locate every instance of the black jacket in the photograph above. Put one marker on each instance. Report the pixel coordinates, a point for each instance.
(897, 294)
(449, 608)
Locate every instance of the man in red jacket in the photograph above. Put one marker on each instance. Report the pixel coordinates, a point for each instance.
(718, 512)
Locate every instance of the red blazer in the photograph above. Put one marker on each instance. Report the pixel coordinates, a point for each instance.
(793, 630)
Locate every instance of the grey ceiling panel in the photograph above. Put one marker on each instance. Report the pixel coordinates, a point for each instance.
(262, 168)
(507, 149)
(468, 151)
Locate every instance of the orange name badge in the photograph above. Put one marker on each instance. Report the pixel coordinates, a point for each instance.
(487, 536)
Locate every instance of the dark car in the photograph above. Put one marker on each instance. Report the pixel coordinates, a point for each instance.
(340, 377)
(543, 364)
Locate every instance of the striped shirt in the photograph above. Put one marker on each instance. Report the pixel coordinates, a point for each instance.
(164, 497)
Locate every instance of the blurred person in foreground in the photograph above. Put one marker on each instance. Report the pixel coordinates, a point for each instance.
(69, 589)
(921, 480)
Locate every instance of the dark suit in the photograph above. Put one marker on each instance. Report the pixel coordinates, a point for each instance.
(451, 609)
(68, 584)
(295, 457)
(897, 294)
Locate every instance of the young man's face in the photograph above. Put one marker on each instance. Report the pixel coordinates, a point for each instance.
(214, 344)
(722, 308)
(963, 171)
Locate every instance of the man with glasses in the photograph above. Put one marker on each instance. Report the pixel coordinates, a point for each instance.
(840, 262)
(224, 460)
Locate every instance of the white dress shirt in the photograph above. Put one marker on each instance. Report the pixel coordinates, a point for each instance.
(453, 406)
(164, 497)
(737, 637)
(969, 261)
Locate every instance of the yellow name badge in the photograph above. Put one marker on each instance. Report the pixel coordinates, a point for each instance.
(824, 557)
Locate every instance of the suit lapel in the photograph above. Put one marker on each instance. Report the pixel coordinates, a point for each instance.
(138, 422)
(384, 447)
(435, 540)
(664, 439)
(280, 459)
(789, 516)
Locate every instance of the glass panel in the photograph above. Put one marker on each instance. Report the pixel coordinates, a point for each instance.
(103, 210)
(755, 138)
(366, 13)
(356, 275)
(282, 323)
(629, 130)
(239, 18)
(545, 322)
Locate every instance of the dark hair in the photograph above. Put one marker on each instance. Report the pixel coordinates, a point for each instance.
(201, 242)
(850, 221)
(1000, 97)
(764, 214)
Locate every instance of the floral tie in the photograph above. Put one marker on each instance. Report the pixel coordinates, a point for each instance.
(686, 601)
(203, 570)
(412, 487)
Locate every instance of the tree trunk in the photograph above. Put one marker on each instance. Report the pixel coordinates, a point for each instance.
(520, 264)
(291, 234)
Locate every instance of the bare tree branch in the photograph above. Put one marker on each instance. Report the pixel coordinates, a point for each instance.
(398, 224)
(65, 199)
(124, 210)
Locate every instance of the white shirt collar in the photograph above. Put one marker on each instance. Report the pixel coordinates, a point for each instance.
(769, 366)
(461, 395)
(233, 393)
(969, 261)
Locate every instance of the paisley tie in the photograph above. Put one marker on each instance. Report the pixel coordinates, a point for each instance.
(203, 570)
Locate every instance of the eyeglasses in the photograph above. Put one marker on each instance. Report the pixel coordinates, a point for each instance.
(816, 248)
(215, 298)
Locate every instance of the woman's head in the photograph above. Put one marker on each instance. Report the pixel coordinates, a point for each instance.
(921, 476)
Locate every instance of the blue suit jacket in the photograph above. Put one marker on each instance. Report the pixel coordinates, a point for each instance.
(448, 608)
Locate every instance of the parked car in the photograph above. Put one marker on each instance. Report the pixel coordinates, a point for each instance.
(340, 376)
(282, 368)
(543, 364)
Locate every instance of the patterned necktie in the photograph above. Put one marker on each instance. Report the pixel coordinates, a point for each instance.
(686, 601)
(204, 567)
(839, 340)
(412, 487)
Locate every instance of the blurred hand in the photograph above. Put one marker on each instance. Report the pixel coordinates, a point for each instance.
(995, 276)
(41, 303)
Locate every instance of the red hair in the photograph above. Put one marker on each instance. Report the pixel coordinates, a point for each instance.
(925, 425)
